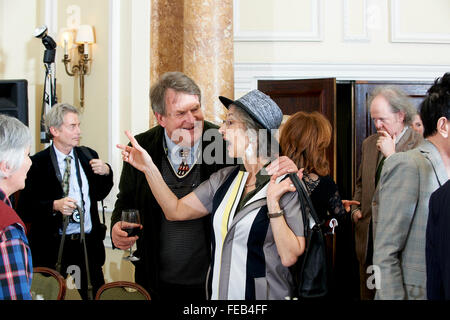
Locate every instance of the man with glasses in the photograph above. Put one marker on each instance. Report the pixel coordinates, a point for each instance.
(391, 112)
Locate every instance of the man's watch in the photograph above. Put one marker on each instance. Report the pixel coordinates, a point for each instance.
(276, 214)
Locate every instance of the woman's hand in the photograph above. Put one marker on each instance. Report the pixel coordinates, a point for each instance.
(276, 190)
(135, 155)
(283, 165)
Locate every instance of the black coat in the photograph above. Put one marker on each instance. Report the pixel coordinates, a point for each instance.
(134, 192)
(35, 206)
(438, 244)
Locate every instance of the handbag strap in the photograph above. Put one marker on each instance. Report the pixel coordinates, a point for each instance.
(305, 199)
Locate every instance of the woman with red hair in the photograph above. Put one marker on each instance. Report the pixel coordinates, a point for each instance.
(305, 138)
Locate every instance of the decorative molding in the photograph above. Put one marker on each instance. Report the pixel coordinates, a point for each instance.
(114, 93)
(315, 34)
(140, 64)
(132, 64)
(51, 17)
(412, 37)
(348, 36)
(246, 75)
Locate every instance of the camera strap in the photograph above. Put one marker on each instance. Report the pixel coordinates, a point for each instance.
(66, 221)
(58, 173)
(80, 182)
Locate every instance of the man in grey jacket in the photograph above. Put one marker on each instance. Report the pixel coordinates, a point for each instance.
(406, 183)
(391, 111)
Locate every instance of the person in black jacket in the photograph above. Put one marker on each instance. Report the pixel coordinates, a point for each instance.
(174, 256)
(63, 180)
(437, 247)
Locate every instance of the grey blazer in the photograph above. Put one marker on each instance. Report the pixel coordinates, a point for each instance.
(406, 183)
(365, 186)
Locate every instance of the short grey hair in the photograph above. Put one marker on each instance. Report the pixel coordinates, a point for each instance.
(15, 138)
(55, 117)
(177, 81)
(397, 99)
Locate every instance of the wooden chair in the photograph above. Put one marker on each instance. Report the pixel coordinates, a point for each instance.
(47, 284)
(122, 290)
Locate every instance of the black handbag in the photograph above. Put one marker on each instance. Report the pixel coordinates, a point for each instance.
(310, 272)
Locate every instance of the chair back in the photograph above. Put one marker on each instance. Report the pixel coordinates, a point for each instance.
(122, 290)
(47, 284)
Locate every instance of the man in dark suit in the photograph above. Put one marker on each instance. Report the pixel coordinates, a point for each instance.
(437, 249)
(63, 180)
(392, 112)
(174, 255)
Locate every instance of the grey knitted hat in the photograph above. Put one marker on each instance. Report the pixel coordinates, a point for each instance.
(260, 107)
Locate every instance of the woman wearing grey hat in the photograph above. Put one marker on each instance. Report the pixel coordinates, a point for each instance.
(257, 223)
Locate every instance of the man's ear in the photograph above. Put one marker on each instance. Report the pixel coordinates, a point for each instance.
(401, 116)
(161, 119)
(54, 131)
(443, 127)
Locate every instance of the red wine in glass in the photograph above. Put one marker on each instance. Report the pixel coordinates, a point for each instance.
(132, 232)
(131, 223)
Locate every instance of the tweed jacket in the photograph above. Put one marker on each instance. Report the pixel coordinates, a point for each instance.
(365, 185)
(407, 181)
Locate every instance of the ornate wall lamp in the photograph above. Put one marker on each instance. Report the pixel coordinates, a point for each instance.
(81, 66)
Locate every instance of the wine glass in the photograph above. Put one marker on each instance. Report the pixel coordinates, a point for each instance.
(131, 223)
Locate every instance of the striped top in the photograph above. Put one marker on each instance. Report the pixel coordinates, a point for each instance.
(245, 262)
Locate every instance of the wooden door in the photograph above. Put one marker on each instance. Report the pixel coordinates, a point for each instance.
(363, 124)
(306, 95)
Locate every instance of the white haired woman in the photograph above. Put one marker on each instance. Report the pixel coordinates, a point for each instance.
(15, 256)
(256, 219)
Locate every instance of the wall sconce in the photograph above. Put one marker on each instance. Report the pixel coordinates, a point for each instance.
(84, 37)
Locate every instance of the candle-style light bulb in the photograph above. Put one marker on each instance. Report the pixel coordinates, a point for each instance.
(86, 49)
(65, 47)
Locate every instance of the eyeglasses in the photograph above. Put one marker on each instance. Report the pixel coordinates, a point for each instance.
(228, 123)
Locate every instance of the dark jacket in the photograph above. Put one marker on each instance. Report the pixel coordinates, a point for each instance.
(35, 205)
(437, 248)
(134, 192)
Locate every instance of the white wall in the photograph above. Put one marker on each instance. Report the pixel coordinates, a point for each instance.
(346, 39)
(21, 54)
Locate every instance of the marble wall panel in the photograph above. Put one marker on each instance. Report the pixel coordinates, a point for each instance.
(196, 38)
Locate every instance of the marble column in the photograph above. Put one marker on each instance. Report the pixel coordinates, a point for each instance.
(208, 51)
(166, 40)
(196, 37)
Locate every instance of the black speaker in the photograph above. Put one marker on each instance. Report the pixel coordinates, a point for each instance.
(14, 99)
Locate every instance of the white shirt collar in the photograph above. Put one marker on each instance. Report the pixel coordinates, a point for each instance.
(61, 156)
(173, 151)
